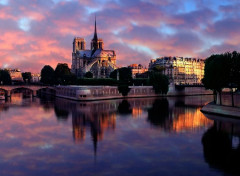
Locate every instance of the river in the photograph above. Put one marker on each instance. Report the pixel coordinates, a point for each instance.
(148, 136)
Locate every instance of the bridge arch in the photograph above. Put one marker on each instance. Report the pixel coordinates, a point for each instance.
(33, 92)
(4, 90)
(49, 90)
(9, 89)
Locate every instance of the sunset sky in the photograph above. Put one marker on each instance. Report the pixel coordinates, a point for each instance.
(34, 33)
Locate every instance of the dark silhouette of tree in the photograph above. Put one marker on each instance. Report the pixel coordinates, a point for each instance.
(159, 82)
(158, 68)
(47, 75)
(63, 74)
(158, 114)
(5, 78)
(218, 151)
(27, 77)
(124, 108)
(88, 75)
(221, 71)
(62, 114)
(124, 89)
(125, 75)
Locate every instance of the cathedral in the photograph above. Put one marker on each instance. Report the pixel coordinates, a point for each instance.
(98, 61)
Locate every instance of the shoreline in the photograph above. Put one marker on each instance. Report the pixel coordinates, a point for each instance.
(126, 97)
(93, 93)
(227, 111)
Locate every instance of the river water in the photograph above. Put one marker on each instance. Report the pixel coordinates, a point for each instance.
(150, 136)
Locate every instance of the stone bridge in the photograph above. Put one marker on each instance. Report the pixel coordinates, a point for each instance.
(34, 88)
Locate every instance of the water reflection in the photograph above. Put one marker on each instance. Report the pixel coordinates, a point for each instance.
(159, 114)
(169, 114)
(68, 134)
(124, 108)
(177, 115)
(221, 145)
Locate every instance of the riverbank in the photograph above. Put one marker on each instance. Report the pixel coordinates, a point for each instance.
(212, 108)
(92, 93)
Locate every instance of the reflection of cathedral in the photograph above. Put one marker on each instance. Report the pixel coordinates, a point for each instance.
(96, 60)
(94, 119)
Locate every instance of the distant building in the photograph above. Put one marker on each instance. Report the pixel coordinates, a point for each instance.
(181, 70)
(137, 70)
(16, 75)
(96, 60)
(36, 77)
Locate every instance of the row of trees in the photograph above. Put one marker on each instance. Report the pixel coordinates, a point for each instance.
(222, 71)
(121, 77)
(61, 75)
(157, 79)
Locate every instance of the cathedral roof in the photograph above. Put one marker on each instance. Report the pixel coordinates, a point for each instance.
(97, 53)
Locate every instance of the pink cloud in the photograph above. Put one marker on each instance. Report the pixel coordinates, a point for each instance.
(137, 30)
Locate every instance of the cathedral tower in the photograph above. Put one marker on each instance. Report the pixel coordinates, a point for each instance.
(78, 44)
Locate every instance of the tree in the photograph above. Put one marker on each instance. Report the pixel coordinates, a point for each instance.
(158, 114)
(124, 108)
(63, 74)
(88, 75)
(125, 75)
(124, 89)
(5, 78)
(159, 82)
(158, 68)
(47, 75)
(27, 77)
(220, 71)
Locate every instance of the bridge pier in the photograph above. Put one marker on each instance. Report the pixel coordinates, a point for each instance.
(8, 93)
(34, 93)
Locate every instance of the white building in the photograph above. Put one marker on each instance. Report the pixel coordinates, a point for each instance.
(181, 70)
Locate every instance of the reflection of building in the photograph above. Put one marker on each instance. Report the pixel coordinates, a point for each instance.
(190, 119)
(96, 60)
(174, 115)
(137, 69)
(181, 70)
(99, 117)
(137, 112)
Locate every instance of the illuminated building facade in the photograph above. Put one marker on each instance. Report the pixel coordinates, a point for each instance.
(36, 77)
(137, 69)
(181, 70)
(98, 61)
(16, 75)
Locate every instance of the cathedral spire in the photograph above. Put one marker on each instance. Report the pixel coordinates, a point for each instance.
(95, 32)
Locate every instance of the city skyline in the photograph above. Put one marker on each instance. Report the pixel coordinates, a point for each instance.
(38, 33)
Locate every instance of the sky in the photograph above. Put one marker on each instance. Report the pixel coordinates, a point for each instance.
(34, 33)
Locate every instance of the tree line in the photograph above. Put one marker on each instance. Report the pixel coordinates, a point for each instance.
(61, 75)
(121, 77)
(222, 71)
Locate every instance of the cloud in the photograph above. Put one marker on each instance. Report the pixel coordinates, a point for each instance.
(38, 33)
